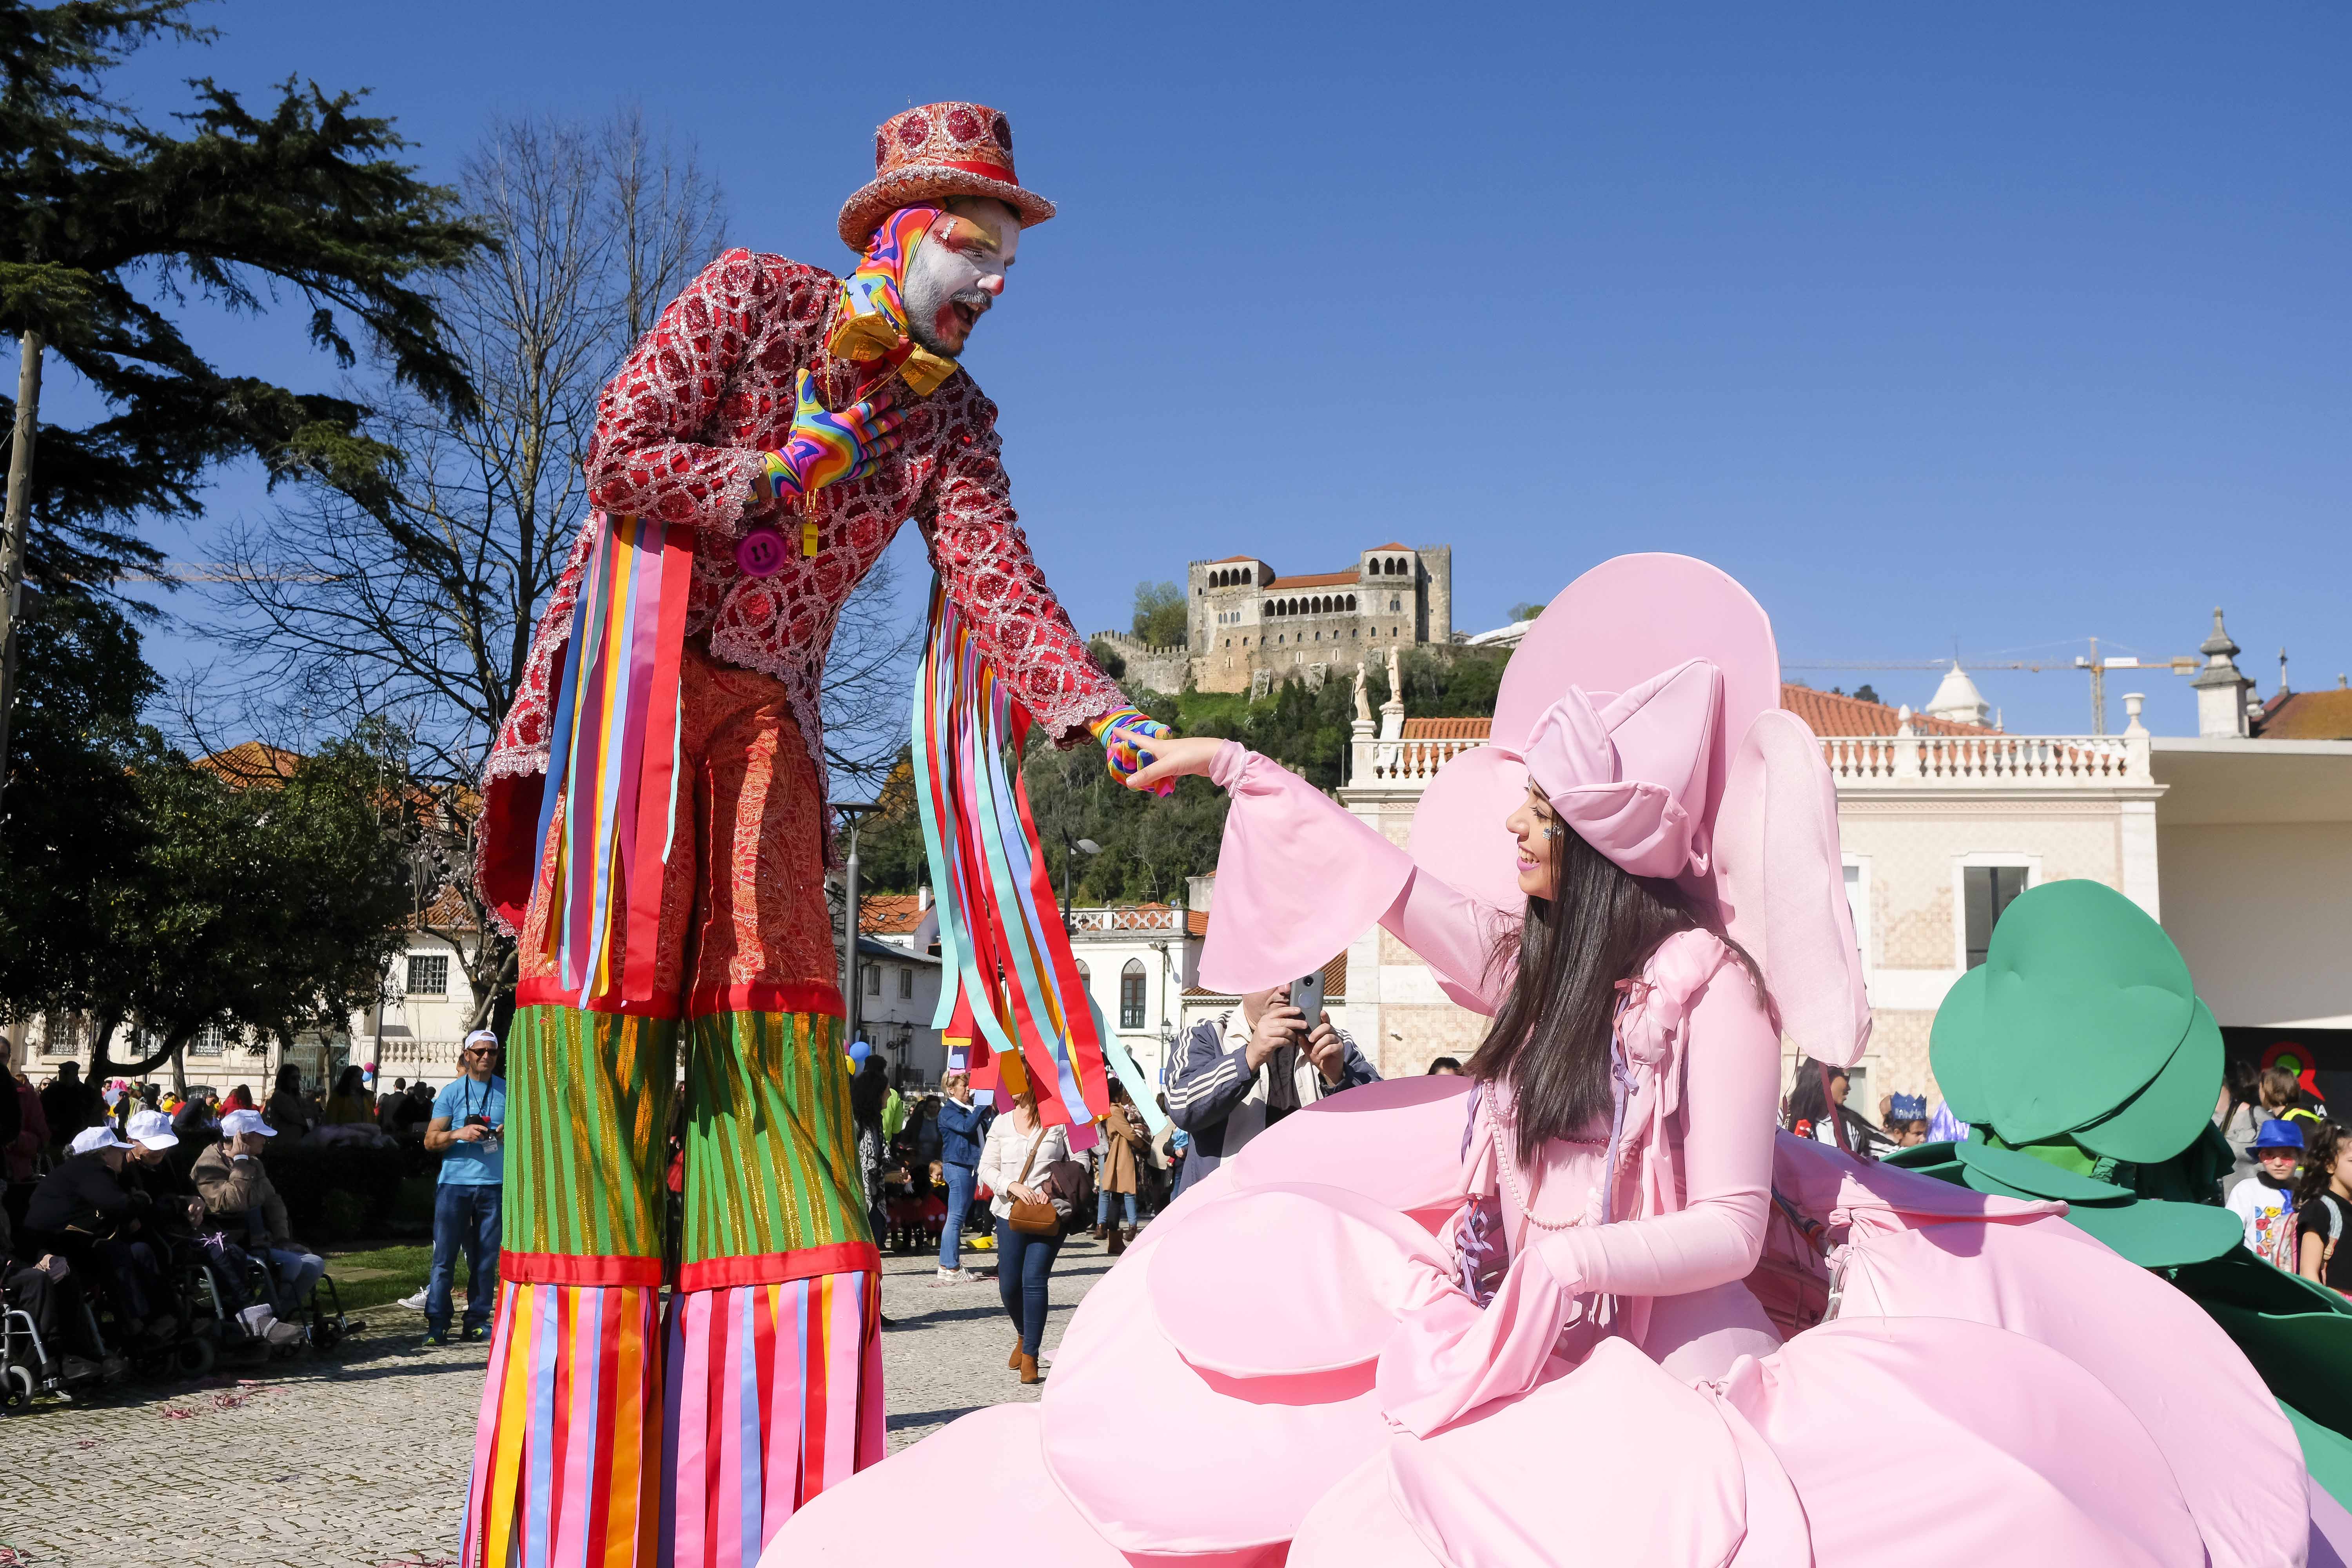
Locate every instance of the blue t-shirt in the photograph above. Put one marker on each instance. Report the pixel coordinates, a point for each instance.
(479, 1165)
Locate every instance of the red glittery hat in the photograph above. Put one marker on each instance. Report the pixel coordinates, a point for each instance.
(939, 150)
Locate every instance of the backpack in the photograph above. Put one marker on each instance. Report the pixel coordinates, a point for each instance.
(2278, 1237)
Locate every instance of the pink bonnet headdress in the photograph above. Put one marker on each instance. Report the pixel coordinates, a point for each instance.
(1644, 702)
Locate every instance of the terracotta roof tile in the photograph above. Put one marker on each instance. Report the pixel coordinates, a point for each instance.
(2307, 716)
(1830, 713)
(888, 914)
(1448, 729)
(1314, 580)
(252, 762)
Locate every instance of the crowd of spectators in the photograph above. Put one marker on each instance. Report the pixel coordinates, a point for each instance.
(126, 1199)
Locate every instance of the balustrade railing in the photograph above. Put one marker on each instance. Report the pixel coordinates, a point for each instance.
(2035, 761)
(1414, 762)
(1120, 920)
(1866, 761)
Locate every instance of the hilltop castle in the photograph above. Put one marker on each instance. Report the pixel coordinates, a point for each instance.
(1246, 626)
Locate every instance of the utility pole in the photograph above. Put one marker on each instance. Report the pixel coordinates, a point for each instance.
(856, 811)
(14, 525)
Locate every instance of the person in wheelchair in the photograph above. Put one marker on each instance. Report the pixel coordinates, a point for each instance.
(237, 1195)
(82, 1212)
(180, 1231)
(35, 1286)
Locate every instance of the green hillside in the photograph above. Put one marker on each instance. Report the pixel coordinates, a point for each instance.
(1150, 847)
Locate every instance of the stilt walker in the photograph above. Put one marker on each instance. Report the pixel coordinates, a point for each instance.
(655, 834)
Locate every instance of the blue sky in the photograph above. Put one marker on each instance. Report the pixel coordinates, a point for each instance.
(1995, 328)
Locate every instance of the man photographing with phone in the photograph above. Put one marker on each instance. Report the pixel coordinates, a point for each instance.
(1237, 1074)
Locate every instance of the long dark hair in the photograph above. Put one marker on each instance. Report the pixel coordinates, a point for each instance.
(2319, 1151)
(1809, 1095)
(1551, 1041)
(352, 1080)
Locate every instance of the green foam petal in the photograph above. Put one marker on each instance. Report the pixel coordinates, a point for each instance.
(1955, 1047)
(2036, 1178)
(2157, 1234)
(2173, 1111)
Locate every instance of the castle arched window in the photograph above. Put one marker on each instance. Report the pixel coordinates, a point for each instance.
(1395, 603)
(1245, 574)
(1351, 601)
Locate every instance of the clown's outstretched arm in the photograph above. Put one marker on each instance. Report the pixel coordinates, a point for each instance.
(1298, 879)
(979, 550)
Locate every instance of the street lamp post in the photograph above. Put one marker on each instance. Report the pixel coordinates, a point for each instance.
(856, 811)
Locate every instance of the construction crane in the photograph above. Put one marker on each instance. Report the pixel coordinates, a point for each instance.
(218, 572)
(2094, 665)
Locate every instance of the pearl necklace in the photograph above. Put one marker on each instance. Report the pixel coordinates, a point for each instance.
(1509, 1165)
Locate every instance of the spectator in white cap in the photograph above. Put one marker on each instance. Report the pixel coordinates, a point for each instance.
(469, 1121)
(82, 1212)
(239, 1195)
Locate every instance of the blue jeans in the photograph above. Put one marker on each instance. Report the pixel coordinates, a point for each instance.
(962, 1180)
(1102, 1207)
(465, 1214)
(1023, 1265)
(294, 1272)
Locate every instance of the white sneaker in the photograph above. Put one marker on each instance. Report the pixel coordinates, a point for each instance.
(958, 1277)
(413, 1303)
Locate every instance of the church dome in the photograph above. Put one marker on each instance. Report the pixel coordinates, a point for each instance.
(1958, 699)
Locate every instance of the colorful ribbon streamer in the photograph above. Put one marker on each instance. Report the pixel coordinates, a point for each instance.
(1011, 1006)
(612, 758)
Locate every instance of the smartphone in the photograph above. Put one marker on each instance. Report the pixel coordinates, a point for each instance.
(1307, 995)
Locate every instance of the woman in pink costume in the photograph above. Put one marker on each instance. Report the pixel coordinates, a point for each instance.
(1584, 1305)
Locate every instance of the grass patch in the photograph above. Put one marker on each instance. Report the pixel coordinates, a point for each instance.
(403, 1268)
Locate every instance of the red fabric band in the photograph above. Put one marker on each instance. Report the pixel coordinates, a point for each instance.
(818, 996)
(974, 166)
(562, 1268)
(778, 1268)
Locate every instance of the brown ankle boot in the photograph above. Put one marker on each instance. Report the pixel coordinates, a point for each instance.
(1012, 1362)
(1099, 1233)
(1029, 1372)
(1118, 1240)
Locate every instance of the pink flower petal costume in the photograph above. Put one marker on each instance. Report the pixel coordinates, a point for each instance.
(1372, 1339)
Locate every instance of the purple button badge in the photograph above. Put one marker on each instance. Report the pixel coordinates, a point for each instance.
(761, 552)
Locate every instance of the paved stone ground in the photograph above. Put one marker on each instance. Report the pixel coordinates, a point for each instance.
(359, 1458)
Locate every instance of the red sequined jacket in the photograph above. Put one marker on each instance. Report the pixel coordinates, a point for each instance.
(680, 434)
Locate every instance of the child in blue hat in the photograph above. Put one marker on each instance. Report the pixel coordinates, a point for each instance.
(2264, 1200)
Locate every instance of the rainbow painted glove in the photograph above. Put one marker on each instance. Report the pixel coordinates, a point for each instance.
(825, 448)
(1125, 736)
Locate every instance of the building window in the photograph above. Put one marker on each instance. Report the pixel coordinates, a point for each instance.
(874, 980)
(1085, 975)
(61, 1035)
(1857, 901)
(212, 1040)
(1351, 601)
(1395, 604)
(428, 974)
(1990, 890)
(905, 986)
(1130, 995)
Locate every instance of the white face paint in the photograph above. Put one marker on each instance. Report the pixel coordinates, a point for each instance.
(959, 271)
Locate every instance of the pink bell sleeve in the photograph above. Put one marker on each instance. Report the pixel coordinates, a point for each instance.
(1731, 1063)
(1298, 879)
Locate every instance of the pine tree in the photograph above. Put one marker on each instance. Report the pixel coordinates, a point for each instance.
(102, 215)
